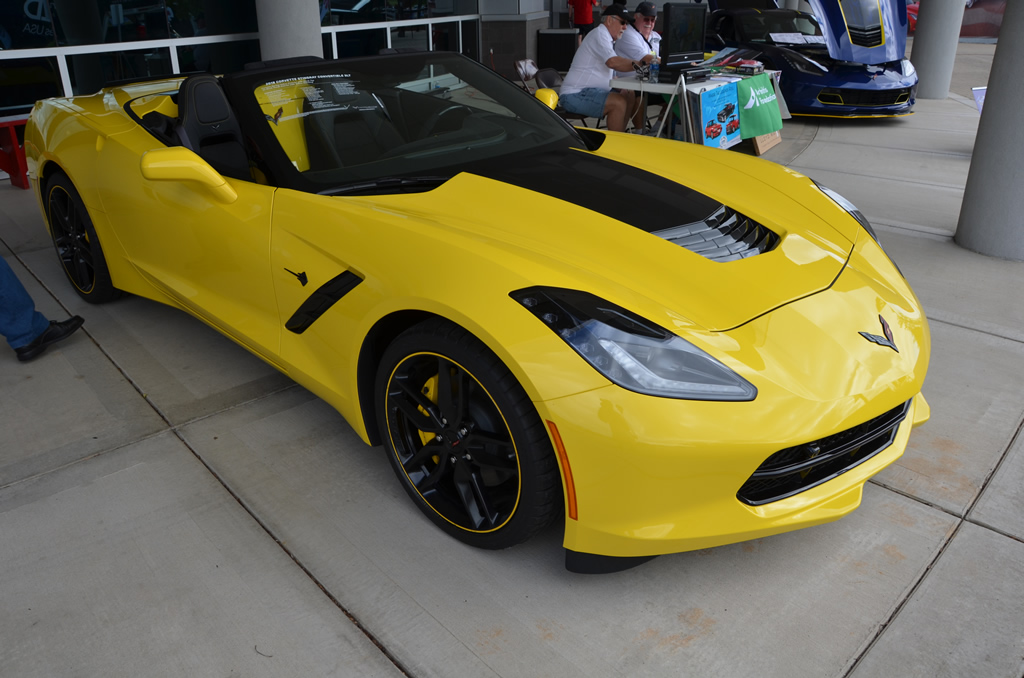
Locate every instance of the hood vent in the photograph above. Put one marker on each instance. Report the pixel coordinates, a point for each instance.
(865, 37)
(726, 235)
(863, 20)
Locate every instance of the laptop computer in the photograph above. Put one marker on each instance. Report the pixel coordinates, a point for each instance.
(673, 64)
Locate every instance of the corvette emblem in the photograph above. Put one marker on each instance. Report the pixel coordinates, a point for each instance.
(882, 341)
(303, 279)
(276, 117)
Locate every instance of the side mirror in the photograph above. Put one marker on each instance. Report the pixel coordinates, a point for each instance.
(548, 96)
(181, 164)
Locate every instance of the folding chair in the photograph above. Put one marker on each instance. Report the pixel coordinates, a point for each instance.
(526, 68)
(551, 79)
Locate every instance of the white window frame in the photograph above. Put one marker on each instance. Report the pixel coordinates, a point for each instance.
(62, 53)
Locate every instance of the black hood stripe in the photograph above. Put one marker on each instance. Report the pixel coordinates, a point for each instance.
(634, 196)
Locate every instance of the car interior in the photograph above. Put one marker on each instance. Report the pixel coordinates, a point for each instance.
(207, 125)
(199, 117)
(316, 129)
(336, 127)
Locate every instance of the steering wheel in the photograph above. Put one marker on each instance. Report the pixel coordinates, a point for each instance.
(447, 119)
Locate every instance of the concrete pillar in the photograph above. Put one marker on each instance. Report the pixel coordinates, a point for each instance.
(935, 41)
(289, 29)
(990, 217)
(790, 4)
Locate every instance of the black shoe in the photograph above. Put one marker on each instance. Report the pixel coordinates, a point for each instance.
(51, 335)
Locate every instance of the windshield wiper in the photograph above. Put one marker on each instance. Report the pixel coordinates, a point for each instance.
(387, 185)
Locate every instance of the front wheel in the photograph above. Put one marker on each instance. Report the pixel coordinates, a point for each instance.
(464, 438)
(75, 240)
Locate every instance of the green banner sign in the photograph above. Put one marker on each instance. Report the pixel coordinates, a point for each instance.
(759, 110)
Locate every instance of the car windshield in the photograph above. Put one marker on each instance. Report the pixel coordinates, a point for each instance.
(778, 27)
(422, 115)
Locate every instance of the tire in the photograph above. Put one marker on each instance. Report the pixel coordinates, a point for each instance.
(464, 439)
(78, 247)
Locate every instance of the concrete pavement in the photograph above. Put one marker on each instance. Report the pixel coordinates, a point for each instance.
(169, 505)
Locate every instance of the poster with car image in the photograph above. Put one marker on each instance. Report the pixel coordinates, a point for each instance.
(720, 122)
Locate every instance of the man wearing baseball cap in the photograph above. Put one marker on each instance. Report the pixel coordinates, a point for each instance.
(640, 38)
(637, 41)
(586, 88)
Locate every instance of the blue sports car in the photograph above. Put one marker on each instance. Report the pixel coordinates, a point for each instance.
(850, 64)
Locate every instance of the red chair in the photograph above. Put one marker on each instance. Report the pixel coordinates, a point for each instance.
(12, 152)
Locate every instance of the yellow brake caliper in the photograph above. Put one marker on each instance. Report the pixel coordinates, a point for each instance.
(430, 391)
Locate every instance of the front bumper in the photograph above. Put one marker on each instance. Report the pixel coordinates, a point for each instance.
(850, 99)
(657, 475)
(666, 496)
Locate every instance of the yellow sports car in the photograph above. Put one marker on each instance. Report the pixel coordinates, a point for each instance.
(666, 346)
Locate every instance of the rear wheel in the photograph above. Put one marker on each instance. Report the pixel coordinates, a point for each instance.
(464, 438)
(76, 243)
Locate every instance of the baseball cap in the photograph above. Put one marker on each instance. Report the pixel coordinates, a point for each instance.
(619, 11)
(646, 9)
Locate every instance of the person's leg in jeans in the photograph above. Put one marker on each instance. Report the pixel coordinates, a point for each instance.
(27, 330)
(20, 322)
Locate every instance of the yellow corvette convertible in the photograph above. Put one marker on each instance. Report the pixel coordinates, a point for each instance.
(668, 347)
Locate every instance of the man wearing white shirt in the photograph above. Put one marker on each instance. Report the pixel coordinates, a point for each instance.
(638, 40)
(585, 89)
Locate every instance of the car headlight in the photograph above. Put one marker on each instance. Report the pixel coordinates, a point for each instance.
(631, 351)
(852, 210)
(908, 68)
(804, 64)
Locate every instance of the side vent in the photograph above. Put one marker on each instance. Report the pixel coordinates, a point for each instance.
(321, 300)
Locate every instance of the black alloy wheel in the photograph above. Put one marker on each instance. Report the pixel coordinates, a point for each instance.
(75, 240)
(464, 438)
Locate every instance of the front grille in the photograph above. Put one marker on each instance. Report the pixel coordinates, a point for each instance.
(726, 235)
(865, 37)
(795, 469)
(864, 97)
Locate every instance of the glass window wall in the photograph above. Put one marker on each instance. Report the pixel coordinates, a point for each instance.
(346, 12)
(471, 39)
(410, 38)
(361, 43)
(23, 81)
(90, 72)
(25, 24)
(445, 37)
(80, 45)
(220, 57)
(90, 22)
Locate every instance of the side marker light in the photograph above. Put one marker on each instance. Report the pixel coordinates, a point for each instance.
(563, 459)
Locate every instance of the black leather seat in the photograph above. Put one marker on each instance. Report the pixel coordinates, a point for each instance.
(207, 126)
